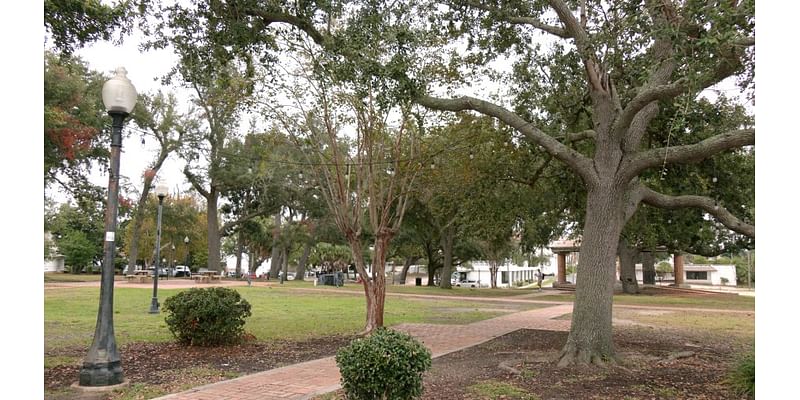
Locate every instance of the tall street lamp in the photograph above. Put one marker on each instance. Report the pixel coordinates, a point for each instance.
(161, 192)
(102, 366)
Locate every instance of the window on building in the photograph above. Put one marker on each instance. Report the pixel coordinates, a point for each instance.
(697, 275)
(503, 276)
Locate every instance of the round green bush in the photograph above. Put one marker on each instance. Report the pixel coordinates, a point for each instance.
(207, 317)
(386, 365)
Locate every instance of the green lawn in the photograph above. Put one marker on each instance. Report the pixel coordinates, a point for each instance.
(70, 314)
(720, 301)
(50, 277)
(426, 290)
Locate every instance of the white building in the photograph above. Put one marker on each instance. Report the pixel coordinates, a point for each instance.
(717, 275)
(508, 274)
(56, 263)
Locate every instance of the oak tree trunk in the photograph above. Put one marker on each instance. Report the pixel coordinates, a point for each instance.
(627, 267)
(406, 265)
(648, 268)
(239, 252)
(590, 337)
(432, 274)
(213, 231)
(493, 275)
(275, 254)
(447, 257)
(300, 272)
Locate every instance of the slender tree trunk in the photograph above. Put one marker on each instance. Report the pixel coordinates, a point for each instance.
(493, 275)
(239, 251)
(590, 336)
(447, 256)
(375, 288)
(138, 219)
(213, 231)
(627, 267)
(275, 255)
(406, 265)
(285, 262)
(648, 268)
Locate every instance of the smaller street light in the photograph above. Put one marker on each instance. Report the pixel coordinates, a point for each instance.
(161, 192)
(186, 242)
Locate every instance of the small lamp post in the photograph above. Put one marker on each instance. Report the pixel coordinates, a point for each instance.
(161, 192)
(102, 366)
(186, 242)
(171, 263)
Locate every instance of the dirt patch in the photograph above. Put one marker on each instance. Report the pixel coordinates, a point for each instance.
(522, 365)
(653, 365)
(169, 367)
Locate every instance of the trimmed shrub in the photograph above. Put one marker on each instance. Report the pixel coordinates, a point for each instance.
(386, 365)
(207, 317)
(742, 378)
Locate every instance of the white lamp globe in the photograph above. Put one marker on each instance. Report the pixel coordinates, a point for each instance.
(162, 190)
(119, 95)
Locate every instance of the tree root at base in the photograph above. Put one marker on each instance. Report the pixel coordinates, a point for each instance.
(574, 356)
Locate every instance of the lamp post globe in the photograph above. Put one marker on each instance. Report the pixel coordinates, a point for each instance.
(102, 366)
(161, 192)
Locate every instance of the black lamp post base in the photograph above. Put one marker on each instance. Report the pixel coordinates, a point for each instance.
(154, 306)
(101, 374)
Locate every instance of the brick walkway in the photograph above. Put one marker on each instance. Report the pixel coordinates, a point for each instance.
(312, 378)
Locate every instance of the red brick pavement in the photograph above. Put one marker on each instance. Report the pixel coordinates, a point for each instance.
(312, 378)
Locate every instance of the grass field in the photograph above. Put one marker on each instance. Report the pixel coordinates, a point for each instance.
(721, 301)
(427, 290)
(70, 314)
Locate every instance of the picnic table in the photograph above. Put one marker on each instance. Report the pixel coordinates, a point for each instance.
(141, 276)
(207, 276)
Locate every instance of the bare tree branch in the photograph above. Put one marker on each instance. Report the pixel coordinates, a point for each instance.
(708, 205)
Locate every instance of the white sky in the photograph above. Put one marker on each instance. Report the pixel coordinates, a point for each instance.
(144, 71)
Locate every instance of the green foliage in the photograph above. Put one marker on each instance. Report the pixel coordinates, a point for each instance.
(73, 120)
(386, 365)
(77, 232)
(742, 378)
(74, 23)
(207, 317)
(78, 250)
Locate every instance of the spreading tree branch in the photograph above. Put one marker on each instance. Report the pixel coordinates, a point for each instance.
(576, 161)
(708, 205)
(688, 153)
(517, 20)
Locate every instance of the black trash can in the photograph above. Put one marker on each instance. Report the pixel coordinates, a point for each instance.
(418, 281)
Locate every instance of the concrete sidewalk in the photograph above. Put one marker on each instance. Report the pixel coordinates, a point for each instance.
(312, 378)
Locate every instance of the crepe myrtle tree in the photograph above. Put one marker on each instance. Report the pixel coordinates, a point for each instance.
(631, 58)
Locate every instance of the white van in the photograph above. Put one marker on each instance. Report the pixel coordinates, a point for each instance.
(181, 270)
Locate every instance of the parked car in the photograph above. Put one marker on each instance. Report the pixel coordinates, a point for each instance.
(468, 283)
(161, 271)
(181, 270)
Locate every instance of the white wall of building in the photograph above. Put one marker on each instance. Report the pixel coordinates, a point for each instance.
(479, 272)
